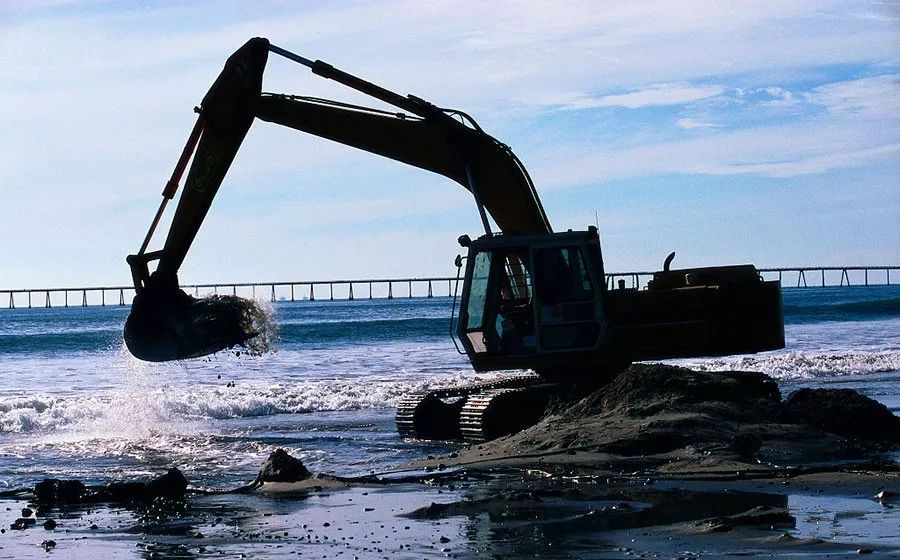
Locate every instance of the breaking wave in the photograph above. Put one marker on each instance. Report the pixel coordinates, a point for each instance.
(805, 364)
(125, 412)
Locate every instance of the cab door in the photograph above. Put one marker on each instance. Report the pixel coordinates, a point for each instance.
(497, 313)
(475, 330)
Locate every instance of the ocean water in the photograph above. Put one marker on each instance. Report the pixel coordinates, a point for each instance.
(74, 403)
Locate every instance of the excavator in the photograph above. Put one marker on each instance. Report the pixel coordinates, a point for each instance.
(532, 299)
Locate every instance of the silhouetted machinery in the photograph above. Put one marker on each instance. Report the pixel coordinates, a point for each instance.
(531, 299)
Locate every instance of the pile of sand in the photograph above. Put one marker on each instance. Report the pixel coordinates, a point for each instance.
(660, 413)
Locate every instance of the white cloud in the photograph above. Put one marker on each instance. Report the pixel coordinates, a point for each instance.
(877, 96)
(780, 97)
(775, 151)
(689, 123)
(654, 95)
(665, 94)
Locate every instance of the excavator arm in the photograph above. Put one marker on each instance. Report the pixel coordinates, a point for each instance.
(165, 323)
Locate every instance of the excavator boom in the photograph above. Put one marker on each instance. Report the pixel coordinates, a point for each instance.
(164, 323)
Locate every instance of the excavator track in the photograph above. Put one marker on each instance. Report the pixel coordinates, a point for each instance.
(499, 412)
(435, 414)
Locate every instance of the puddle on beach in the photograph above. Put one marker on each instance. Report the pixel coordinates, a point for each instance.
(844, 519)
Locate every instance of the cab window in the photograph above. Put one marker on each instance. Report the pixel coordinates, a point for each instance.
(562, 275)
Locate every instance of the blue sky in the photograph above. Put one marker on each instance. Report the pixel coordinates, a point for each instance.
(763, 132)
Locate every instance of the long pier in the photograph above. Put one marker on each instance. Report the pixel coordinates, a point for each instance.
(390, 288)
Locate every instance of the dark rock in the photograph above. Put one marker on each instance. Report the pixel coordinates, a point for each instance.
(746, 444)
(844, 412)
(760, 515)
(48, 544)
(27, 512)
(126, 491)
(282, 467)
(431, 511)
(55, 491)
(171, 485)
(22, 523)
(50, 524)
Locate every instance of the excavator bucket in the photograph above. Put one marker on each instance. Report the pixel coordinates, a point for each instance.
(168, 324)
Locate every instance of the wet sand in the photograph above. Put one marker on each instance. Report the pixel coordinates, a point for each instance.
(488, 514)
(668, 463)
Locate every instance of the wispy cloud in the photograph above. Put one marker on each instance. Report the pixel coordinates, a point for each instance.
(689, 123)
(664, 94)
(876, 96)
(775, 151)
(654, 95)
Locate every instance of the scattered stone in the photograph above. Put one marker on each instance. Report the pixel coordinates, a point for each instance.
(50, 524)
(444, 540)
(48, 544)
(27, 512)
(282, 467)
(22, 523)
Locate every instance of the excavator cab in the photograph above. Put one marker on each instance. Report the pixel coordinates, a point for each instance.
(533, 301)
(542, 302)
